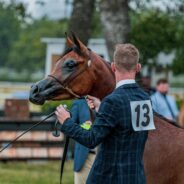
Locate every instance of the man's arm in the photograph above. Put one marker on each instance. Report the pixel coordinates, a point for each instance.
(105, 121)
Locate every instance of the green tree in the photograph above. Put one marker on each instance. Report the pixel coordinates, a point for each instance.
(116, 22)
(81, 19)
(28, 53)
(178, 65)
(153, 32)
(9, 33)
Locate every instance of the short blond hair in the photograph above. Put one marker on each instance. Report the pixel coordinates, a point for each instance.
(126, 56)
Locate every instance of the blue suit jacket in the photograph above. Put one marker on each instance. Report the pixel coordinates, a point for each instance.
(80, 114)
(119, 159)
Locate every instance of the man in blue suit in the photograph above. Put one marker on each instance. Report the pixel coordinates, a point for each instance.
(163, 103)
(121, 125)
(83, 156)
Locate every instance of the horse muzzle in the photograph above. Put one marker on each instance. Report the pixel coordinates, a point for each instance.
(43, 90)
(35, 96)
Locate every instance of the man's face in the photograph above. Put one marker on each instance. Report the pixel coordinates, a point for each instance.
(163, 88)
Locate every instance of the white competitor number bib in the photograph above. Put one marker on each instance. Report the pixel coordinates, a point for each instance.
(142, 115)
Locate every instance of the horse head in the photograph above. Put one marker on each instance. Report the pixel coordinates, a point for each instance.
(74, 75)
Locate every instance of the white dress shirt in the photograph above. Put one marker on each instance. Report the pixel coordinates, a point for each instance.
(123, 82)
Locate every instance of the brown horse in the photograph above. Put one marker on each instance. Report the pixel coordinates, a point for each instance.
(80, 72)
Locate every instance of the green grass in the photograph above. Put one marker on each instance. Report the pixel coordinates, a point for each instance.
(35, 173)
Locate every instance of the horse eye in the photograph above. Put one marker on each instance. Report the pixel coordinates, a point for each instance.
(70, 64)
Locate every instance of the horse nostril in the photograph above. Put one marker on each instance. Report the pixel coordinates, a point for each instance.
(35, 89)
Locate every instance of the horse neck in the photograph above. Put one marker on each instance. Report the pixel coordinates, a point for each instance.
(104, 82)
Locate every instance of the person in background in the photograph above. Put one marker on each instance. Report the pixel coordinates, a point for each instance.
(83, 156)
(163, 103)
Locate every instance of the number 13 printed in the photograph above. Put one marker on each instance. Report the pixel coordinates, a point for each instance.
(142, 115)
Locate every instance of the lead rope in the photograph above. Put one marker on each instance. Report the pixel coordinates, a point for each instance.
(55, 133)
(63, 157)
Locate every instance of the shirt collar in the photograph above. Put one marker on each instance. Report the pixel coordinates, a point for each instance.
(123, 82)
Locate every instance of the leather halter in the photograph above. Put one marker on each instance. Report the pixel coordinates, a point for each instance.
(64, 84)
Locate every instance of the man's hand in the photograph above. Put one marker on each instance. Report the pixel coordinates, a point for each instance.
(62, 114)
(93, 102)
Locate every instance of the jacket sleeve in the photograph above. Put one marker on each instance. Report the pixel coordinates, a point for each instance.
(105, 121)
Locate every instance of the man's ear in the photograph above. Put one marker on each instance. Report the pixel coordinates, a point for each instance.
(113, 67)
(138, 67)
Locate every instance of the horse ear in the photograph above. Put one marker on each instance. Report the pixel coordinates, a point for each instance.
(69, 42)
(78, 43)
